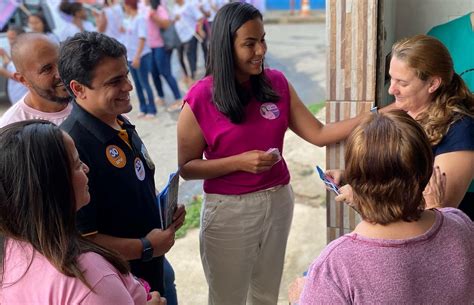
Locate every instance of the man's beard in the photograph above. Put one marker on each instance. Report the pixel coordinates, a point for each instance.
(49, 94)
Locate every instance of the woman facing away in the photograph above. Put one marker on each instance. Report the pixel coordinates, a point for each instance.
(158, 18)
(237, 117)
(425, 85)
(43, 258)
(401, 253)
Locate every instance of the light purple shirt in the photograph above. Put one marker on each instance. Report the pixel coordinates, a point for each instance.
(436, 267)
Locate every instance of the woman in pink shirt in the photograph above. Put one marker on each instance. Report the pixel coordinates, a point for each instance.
(237, 117)
(44, 259)
(400, 253)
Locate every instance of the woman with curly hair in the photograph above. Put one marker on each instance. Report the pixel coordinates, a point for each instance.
(425, 85)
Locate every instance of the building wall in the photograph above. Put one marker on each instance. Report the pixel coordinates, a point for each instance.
(419, 16)
(351, 57)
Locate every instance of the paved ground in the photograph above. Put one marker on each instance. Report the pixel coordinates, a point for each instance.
(299, 51)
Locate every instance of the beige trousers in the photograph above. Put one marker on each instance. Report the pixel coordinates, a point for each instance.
(242, 241)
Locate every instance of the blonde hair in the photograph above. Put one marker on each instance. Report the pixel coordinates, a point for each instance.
(389, 162)
(452, 100)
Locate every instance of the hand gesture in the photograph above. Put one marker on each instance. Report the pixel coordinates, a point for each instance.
(435, 190)
(346, 196)
(179, 216)
(136, 63)
(162, 241)
(156, 299)
(257, 161)
(337, 175)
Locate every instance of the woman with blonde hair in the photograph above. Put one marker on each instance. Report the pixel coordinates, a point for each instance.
(400, 253)
(425, 85)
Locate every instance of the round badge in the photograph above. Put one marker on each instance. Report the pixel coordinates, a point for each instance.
(116, 156)
(139, 169)
(269, 111)
(147, 157)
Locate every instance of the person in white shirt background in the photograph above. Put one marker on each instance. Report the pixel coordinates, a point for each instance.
(14, 88)
(37, 23)
(76, 17)
(215, 6)
(113, 15)
(188, 22)
(139, 57)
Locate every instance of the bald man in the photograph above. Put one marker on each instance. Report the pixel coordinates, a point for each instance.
(35, 56)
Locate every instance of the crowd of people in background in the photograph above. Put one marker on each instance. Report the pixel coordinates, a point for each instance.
(138, 24)
(78, 202)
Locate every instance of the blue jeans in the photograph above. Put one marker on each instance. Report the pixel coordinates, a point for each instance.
(170, 287)
(155, 76)
(140, 78)
(162, 63)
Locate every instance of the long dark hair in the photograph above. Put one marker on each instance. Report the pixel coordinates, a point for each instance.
(46, 27)
(39, 204)
(228, 95)
(155, 3)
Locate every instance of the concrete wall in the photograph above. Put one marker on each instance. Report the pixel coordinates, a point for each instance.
(419, 16)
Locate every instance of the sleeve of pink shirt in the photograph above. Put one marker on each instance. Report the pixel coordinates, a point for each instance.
(320, 288)
(116, 290)
(162, 12)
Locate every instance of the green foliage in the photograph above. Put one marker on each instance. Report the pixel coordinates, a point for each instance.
(316, 107)
(193, 213)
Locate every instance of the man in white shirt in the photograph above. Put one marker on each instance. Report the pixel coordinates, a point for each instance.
(35, 56)
(15, 89)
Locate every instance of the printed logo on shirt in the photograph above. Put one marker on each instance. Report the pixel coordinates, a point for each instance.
(269, 111)
(116, 156)
(147, 157)
(139, 169)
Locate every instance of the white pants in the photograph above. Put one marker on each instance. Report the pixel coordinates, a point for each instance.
(242, 241)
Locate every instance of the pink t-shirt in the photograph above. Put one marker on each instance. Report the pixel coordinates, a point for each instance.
(44, 284)
(21, 112)
(434, 268)
(154, 35)
(264, 128)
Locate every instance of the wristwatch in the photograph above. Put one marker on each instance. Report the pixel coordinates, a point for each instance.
(147, 252)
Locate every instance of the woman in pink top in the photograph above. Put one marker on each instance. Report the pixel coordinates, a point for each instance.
(400, 253)
(158, 19)
(44, 259)
(237, 117)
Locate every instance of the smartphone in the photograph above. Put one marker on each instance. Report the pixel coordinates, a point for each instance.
(328, 181)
